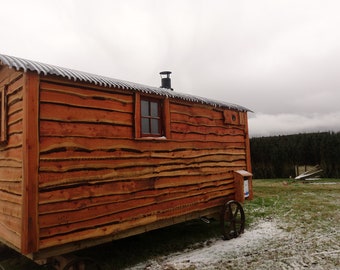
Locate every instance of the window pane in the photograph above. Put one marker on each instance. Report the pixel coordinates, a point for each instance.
(154, 126)
(145, 108)
(145, 126)
(154, 109)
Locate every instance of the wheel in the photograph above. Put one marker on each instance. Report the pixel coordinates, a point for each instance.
(82, 264)
(232, 220)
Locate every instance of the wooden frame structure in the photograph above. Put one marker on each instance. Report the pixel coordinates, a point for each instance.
(75, 172)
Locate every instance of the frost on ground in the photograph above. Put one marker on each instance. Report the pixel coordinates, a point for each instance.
(266, 245)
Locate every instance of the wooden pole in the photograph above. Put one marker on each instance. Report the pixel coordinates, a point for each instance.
(30, 234)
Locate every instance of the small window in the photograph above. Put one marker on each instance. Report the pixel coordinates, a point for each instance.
(3, 115)
(151, 117)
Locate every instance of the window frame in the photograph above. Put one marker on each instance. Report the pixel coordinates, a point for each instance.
(163, 114)
(151, 118)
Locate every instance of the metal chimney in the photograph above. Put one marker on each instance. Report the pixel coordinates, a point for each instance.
(166, 81)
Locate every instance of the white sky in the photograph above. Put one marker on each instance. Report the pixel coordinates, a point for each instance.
(279, 58)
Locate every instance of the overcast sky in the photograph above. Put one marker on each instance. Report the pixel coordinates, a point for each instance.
(279, 58)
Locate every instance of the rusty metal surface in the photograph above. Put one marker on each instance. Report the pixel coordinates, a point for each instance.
(46, 69)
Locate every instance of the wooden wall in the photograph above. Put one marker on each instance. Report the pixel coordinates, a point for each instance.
(96, 179)
(11, 159)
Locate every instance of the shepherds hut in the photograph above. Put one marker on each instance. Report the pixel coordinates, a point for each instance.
(86, 159)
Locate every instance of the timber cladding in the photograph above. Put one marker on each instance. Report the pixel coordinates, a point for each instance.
(96, 178)
(11, 86)
(77, 161)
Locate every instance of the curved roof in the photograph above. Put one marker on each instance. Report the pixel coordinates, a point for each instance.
(46, 69)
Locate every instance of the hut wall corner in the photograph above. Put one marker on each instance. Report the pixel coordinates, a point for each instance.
(30, 163)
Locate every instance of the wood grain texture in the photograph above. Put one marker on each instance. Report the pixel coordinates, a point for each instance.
(74, 168)
(96, 178)
(11, 160)
(30, 150)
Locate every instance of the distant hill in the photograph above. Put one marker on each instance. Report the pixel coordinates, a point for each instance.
(276, 156)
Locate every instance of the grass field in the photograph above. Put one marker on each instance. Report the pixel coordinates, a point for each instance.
(304, 216)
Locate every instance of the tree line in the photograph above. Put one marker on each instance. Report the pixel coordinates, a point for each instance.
(277, 156)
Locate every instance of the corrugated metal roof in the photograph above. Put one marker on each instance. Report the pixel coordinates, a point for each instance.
(45, 69)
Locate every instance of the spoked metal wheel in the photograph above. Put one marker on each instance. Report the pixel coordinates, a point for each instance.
(232, 220)
(82, 264)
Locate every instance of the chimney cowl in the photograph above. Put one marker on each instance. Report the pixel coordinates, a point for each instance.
(165, 80)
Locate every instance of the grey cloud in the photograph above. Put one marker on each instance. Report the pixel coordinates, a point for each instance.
(279, 58)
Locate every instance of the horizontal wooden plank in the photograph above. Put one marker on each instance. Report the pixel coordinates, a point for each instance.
(9, 163)
(190, 136)
(10, 209)
(53, 179)
(81, 100)
(85, 243)
(188, 128)
(15, 118)
(139, 207)
(84, 201)
(15, 86)
(138, 146)
(124, 225)
(6, 234)
(94, 232)
(186, 180)
(15, 109)
(116, 187)
(10, 222)
(172, 162)
(9, 186)
(8, 197)
(73, 221)
(11, 174)
(100, 130)
(91, 212)
(80, 154)
(143, 189)
(203, 111)
(9, 75)
(184, 117)
(14, 140)
(15, 96)
(64, 113)
(12, 152)
(15, 128)
(89, 92)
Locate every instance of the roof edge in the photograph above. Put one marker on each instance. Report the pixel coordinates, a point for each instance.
(75, 75)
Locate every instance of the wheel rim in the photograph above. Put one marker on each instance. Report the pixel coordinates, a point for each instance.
(232, 220)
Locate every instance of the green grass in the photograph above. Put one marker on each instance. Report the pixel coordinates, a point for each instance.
(314, 204)
(296, 205)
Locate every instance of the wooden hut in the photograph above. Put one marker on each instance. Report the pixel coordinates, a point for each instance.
(86, 159)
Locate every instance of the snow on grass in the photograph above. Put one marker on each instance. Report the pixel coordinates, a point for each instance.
(214, 250)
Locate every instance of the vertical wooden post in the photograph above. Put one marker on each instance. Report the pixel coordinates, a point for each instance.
(30, 229)
(239, 187)
(248, 157)
(167, 121)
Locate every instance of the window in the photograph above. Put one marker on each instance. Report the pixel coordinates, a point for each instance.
(3, 115)
(151, 117)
